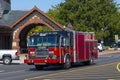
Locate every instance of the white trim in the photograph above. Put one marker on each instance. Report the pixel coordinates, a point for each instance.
(65, 57)
(60, 50)
(90, 40)
(74, 46)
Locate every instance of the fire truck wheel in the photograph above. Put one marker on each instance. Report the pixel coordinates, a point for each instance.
(7, 60)
(39, 67)
(67, 63)
(89, 62)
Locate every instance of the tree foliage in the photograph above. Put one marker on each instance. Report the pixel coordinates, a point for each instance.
(38, 29)
(99, 16)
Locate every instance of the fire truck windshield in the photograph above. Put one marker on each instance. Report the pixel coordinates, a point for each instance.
(43, 41)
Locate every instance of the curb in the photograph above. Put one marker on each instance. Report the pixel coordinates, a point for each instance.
(109, 52)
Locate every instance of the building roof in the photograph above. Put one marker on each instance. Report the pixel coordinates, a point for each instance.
(15, 17)
(11, 17)
(42, 15)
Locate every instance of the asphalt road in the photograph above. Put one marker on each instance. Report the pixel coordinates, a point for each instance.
(105, 68)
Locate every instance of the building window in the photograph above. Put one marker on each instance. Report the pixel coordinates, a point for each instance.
(5, 42)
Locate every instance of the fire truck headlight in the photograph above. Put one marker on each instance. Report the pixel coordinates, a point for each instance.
(32, 52)
(51, 52)
(54, 57)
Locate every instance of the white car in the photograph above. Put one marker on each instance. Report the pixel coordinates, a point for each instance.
(8, 55)
(100, 47)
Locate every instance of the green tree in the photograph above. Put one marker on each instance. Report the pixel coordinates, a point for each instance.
(38, 29)
(88, 15)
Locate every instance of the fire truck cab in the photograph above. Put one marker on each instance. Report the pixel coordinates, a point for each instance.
(61, 48)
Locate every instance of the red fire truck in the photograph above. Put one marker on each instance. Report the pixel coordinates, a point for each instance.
(61, 47)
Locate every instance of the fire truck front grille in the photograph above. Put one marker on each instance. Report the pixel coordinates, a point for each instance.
(41, 53)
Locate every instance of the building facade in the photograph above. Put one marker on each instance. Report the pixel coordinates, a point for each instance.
(15, 25)
(5, 31)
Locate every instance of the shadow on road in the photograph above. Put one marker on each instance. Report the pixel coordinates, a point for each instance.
(57, 68)
(1, 63)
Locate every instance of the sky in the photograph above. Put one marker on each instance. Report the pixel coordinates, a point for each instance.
(118, 1)
(43, 5)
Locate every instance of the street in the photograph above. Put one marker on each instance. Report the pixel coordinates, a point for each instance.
(105, 68)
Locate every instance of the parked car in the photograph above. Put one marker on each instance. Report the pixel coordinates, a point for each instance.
(8, 55)
(101, 47)
(113, 45)
(118, 44)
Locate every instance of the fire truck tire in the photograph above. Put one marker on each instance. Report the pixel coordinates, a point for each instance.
(7, 60)
(89, 62)
(39, 67)
(67, 63)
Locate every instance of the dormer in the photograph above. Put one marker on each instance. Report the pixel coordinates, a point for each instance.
(5, 7)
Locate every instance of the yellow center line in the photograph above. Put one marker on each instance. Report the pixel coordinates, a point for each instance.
(54, 74)
(118, 67)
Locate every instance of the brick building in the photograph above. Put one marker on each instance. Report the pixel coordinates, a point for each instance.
(15, 25)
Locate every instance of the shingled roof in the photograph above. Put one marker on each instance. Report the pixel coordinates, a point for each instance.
(11, 17)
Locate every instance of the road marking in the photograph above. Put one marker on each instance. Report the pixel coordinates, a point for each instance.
(12, 72)
(54, 74)
(118, 67)
(2, 71)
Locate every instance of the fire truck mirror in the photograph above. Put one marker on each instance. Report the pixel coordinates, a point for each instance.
(64, 42)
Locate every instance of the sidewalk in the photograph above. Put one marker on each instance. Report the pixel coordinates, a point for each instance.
(21, 60)
(22, 56)
(108, 52)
